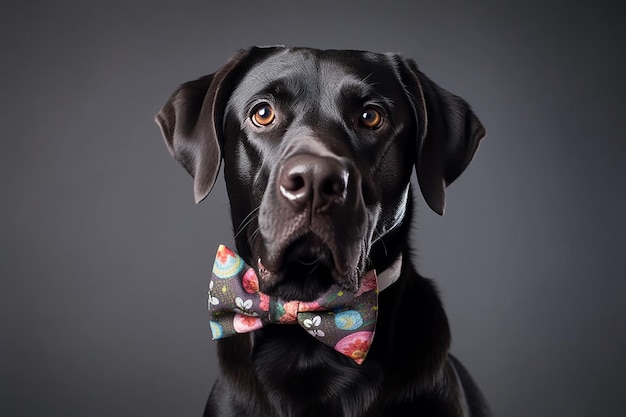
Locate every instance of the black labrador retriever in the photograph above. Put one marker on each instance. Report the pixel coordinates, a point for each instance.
(319, 147)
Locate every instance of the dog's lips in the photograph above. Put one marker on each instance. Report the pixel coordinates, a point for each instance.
(306, 267)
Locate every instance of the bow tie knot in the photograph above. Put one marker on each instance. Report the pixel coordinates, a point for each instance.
(340, 319)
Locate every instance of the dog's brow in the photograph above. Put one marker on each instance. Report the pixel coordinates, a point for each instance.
(365, 83)
(364, 79)
(361, 90)
(283, 87)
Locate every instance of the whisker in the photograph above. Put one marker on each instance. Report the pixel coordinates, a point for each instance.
(246, 221)
(384, 247)
(254, 235)
(317, 263)
(313, 262)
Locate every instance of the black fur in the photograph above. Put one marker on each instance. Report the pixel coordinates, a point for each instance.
(318, 197)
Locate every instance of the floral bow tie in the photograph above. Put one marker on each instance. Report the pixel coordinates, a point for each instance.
(339, 319)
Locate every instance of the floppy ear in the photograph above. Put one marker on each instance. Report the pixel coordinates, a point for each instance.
(448, 134)
(191, 124)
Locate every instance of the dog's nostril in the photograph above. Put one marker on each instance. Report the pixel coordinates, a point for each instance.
(335, 185)
(294, 183)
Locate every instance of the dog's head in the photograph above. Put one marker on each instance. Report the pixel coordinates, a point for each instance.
(318, 149)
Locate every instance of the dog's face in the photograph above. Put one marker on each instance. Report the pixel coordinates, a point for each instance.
(320, 143)
(318, 150)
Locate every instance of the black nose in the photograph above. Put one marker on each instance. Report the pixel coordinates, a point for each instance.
(311, 180)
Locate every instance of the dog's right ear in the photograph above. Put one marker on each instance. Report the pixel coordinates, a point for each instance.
(191, 123)
(449, 133)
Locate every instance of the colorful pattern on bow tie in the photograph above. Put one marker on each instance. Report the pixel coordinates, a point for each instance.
(340, 319)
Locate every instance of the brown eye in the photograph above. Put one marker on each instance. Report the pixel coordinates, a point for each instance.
(263, 115)
(371, 118)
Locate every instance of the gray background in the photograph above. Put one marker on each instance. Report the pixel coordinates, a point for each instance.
(105, 258)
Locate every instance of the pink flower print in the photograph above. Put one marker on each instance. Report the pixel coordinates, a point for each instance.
(291, 312)
(250, 282)
(244, 324)
(369, 282)
(355, 345)
(310, 306)
(265, 302)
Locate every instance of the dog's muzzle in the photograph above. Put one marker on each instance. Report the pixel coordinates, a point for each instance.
(313, 223)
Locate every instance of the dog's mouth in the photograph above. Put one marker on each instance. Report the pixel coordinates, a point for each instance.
(307, 269)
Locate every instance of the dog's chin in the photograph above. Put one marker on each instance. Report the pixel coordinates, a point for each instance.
(304, 280)
(306, 272)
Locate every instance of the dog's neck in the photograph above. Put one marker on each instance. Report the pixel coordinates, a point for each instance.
(390, 275)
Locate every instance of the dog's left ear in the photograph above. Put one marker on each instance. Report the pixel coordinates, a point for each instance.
(191, 124)
(448, 133)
